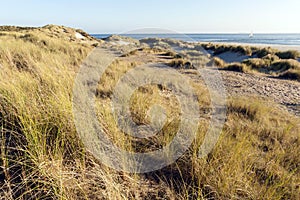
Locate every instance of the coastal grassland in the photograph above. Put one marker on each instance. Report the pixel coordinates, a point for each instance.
(256, 157)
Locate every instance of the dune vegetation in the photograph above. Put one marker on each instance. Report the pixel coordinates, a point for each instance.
(281, 64)
(42, 157)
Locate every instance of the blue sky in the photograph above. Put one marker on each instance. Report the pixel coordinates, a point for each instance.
(187, 16)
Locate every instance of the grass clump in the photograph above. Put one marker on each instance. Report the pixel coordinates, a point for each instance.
(257, 63)
(292, 74)
(237, 67)
(244, 50)
(260, 53)
(181, 64)
(218, 62)
(283, 65)
(292, 54)
(221, 49)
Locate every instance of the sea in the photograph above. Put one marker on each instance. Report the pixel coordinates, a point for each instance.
(270, 39)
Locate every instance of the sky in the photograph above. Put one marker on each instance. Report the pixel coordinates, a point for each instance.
(183, 16)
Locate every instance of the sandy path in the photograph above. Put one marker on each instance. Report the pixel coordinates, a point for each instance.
(284, 92)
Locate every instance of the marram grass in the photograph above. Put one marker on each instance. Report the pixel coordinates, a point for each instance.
(256, 157)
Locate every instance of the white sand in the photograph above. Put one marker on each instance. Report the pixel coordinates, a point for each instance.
(121, 43)
(232, 57)
(79, 36)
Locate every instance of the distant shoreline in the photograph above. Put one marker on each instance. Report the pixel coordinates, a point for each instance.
(281, 41)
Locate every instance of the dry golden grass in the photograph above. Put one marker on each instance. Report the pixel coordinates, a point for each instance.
(257, 156)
